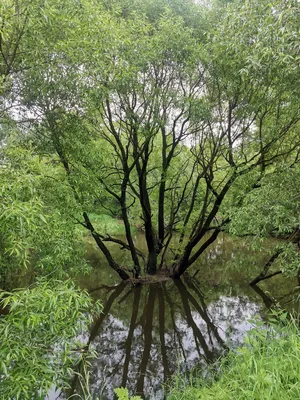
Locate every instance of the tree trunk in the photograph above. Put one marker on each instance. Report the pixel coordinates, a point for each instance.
(152, 262)
(136, 264)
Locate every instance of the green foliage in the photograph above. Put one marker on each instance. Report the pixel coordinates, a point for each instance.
(122, 394)
(267, 368)
(149, 110)
(42, 333)
(289, 259)
(145, 72)
(106, 85)
(273, 207)
(35, 231)
(41, 338)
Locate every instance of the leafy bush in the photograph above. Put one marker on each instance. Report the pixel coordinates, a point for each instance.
(40, 342)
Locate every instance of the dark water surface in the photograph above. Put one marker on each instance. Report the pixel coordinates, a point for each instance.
(147, 333)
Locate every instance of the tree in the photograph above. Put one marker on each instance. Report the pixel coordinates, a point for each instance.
(17, 28)
(273, 210)
(184, 121)
(37, 237)
(28, 235)
(180, 124)
(39, 326)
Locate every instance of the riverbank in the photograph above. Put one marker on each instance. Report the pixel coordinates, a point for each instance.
(267, 367)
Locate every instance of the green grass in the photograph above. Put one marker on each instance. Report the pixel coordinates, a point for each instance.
(105, 224)
(266, 368)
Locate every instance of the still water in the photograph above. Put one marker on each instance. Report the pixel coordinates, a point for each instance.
(147, 333)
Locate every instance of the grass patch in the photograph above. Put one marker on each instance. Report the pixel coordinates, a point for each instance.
(106, 224)
(266, 368)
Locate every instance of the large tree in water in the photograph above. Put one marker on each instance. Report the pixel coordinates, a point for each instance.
(171, 119)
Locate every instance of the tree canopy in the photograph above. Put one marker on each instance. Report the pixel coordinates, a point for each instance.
(166, 120)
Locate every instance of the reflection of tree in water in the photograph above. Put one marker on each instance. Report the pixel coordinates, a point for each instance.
(146, 333)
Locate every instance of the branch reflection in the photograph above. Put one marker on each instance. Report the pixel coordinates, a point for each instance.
(146, 333)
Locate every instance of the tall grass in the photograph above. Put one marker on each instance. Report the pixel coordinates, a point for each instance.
(266, 368)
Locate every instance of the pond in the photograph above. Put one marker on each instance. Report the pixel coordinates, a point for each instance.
(147, 333)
